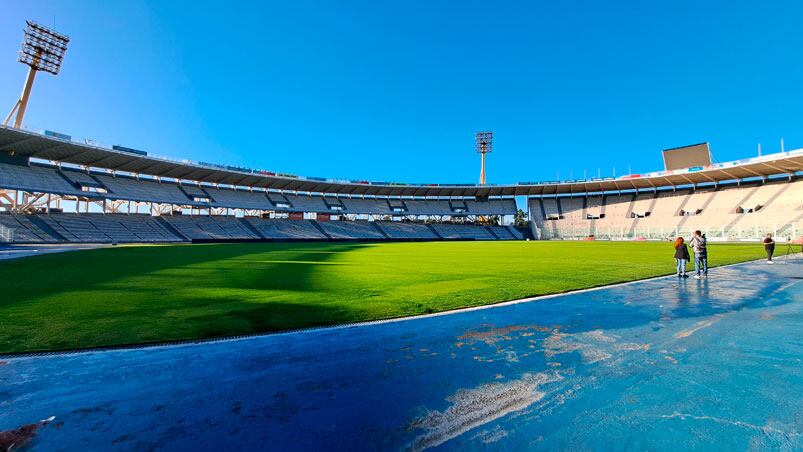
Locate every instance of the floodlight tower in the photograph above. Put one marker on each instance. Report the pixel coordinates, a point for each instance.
(42, 50)
(484, 140)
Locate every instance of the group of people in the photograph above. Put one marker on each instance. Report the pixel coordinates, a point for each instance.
(699, 245)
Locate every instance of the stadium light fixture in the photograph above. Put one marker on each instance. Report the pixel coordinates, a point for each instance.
(484, 146)
(42, 50)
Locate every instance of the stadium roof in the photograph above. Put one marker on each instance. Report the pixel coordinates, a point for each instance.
(63, 148)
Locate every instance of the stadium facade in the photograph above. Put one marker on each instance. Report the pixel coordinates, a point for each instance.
(55, 188)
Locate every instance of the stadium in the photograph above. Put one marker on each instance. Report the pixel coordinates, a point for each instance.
(134, 198)
(209, 305)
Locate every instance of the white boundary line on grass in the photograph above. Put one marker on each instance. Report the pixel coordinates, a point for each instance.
(236, 338)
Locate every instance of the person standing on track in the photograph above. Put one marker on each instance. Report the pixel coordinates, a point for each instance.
(700, 246)
(681, 257)
(769, 247)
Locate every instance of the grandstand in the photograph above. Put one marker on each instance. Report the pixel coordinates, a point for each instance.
(55, 188)
(742, 210)
(112, 205)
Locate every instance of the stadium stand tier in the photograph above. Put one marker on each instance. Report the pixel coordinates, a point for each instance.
(139, 228)
(119, 195)
(49, 179)
(210, 211)
(400, 230)
(745, 211)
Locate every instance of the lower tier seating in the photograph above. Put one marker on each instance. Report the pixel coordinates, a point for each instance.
(286, 229)
(400, 230)
(351, 230)
(138, 228)
(463, 231)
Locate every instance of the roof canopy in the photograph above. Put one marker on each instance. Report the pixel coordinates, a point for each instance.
(64, 149)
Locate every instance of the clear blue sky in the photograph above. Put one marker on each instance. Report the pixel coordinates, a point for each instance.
(396, 90)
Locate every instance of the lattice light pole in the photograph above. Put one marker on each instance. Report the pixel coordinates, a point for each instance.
(484, 141)
(42, 50)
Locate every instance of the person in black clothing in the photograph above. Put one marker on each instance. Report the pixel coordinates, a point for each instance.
(681, 257)
(769, 247)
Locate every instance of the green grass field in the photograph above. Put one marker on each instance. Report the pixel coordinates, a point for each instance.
(139, 294)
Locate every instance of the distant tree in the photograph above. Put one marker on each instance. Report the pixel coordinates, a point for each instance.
(521, 220)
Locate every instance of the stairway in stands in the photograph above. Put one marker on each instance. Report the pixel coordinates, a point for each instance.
(251, 228)
(434, 231)
(319, 228)
(172, 230)
(44, 227)
(493, 233)
(381, 231)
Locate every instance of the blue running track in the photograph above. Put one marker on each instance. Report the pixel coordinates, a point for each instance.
(664, 364)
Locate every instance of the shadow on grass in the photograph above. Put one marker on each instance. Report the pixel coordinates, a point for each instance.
(152, 294)
(262, 318)
(57, 274)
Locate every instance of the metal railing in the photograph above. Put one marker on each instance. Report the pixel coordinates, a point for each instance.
(752, 232)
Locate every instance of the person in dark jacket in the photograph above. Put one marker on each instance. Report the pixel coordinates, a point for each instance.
(681, 257)
(769, 247)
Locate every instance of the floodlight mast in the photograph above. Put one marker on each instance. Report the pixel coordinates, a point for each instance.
(42, 50)
(484, 146)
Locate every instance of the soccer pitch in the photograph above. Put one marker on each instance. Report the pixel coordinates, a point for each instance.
(141, 294)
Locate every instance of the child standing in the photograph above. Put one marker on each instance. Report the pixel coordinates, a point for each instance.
(681, 257)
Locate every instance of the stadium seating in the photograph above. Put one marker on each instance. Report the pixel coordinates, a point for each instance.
(402, 230)
(287, 229)
(70, 181)
(427, 207)
(351, 230)
(80, 178)
(148, 229)
(21, 230)
(138, 228)
(517, 235)
(370, 206)
(36, 179)
(745, 211)
(505, 233)
(463, 231)
(240, 199)
(198, 227)
(126, 188)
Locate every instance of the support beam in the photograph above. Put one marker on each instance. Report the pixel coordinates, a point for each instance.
(26, 94)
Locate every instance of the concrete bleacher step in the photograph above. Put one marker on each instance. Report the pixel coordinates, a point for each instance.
(169, 227)
(381, 231)
(19, 230)
(685, 218)
(250, 227)
(66, 179)
(434, 231)
(770, 200)
(493, 233)
(320, 229)
(777, 195)
(44, 227)
(630, 208)
(517, 234)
